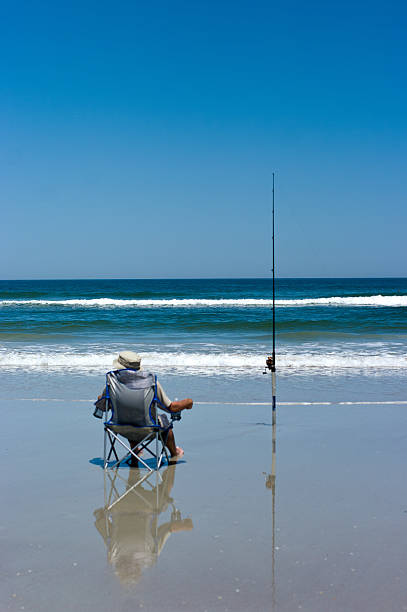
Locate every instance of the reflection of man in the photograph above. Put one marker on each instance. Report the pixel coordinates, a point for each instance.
(130, 529)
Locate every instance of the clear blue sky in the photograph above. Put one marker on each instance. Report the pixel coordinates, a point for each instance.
(138, 138)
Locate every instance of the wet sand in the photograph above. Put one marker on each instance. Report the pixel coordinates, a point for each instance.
(215, 532)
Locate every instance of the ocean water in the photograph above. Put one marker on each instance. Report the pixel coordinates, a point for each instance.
(206, 327)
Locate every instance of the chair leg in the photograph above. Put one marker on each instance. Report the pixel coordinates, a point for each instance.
(112, 448)
(129, 451)
(160, 449)
(164, 448)
(104, 450)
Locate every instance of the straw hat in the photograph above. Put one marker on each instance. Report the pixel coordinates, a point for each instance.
(127, 360)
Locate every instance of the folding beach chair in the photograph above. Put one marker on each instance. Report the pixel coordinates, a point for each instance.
(131, 412)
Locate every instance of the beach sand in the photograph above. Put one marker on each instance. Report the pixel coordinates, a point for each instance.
(329, 536)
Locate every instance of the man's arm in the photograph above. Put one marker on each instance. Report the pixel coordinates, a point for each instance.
(185, 404)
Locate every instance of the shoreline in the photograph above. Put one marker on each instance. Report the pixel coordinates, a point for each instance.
(250, 388)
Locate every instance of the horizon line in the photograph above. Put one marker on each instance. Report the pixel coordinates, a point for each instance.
(147, 278)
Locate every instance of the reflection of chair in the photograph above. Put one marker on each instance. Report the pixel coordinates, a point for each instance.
(131, 398)
(129, 520)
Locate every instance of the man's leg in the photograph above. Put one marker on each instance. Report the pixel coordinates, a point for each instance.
(175, 451)
(134, 448)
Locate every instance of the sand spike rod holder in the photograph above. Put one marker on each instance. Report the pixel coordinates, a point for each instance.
(271, 359)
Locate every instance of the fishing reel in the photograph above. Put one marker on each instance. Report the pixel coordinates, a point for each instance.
(269, 367)
(176, 416)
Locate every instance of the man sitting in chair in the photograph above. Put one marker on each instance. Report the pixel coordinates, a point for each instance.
(130, 363)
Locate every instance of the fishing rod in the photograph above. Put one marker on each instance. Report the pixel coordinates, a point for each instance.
(271, 359)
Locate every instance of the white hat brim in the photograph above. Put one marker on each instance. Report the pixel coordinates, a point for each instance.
(117, 365)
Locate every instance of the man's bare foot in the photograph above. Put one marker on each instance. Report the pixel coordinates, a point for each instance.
(179, 454)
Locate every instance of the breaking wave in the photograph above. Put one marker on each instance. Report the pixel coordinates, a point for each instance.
(209, 363)
(372, 300)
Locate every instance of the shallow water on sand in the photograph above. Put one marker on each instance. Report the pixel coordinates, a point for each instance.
(316, 526)
(84, 387)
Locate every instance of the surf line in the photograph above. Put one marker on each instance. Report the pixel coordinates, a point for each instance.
(214, 403)
(342, 403)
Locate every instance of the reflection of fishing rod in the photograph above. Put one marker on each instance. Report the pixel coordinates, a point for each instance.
(273, 541)
(271, 359)
(271, 484)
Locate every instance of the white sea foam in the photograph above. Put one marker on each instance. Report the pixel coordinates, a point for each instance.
(372, 300)
(210, 363)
